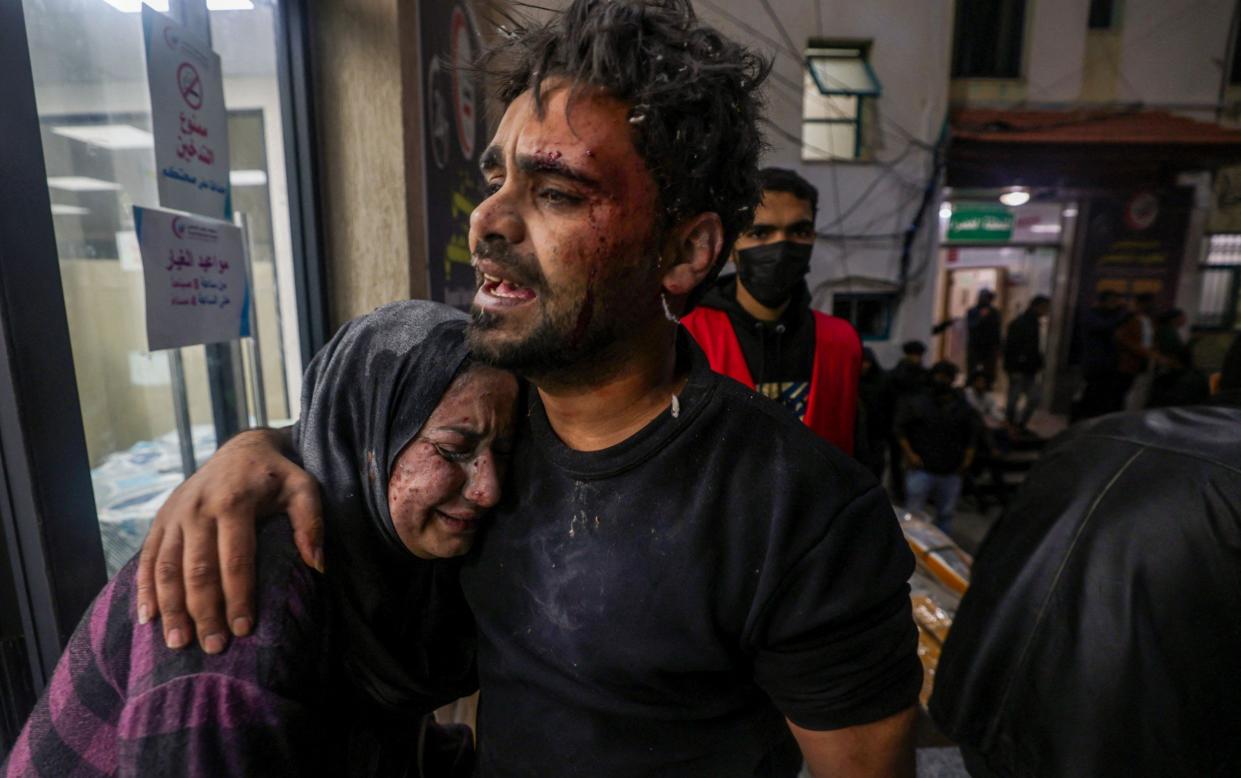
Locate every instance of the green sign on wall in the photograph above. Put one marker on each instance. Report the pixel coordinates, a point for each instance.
(981, 223)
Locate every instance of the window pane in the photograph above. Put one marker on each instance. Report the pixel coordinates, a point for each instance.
(816, 105)
(1101, 14)
(1217, 304)
(988, 38)
(869, 313)
(90, 85)
(847, 75)
(828, 141)
(1224, 249)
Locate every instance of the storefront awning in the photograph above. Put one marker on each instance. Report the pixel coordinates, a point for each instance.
(1083, 148)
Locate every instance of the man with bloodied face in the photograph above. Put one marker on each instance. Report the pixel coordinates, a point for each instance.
(758, 328)
(680, 579)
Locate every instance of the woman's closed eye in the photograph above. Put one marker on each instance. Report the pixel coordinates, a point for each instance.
(454, 453)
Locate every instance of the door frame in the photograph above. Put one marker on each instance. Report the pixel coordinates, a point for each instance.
(47, 507)
(51, 552)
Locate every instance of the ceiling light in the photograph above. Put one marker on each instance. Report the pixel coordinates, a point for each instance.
(134, 6)
(248, 178)
(1069, 213)
(82, 184)
(59, 209)
(1045, 228)
(1015, 198)
(108, 136)
(945, 211)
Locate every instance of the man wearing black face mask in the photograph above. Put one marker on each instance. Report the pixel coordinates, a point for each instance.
(758, 328)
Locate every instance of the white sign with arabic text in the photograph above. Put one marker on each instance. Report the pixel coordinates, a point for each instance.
(195, 276)
(188, 119)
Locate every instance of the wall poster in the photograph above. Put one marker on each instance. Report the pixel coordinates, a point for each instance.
(454, 132)
(1135, 243)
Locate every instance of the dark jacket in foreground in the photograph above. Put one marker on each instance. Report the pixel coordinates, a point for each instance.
(1101, 634)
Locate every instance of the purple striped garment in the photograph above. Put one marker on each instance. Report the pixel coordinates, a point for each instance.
(121, 703)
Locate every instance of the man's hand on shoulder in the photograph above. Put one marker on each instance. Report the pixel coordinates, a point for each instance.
(196, 568)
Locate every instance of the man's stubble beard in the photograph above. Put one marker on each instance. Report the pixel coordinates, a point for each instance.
(551, 348)
(574, 347)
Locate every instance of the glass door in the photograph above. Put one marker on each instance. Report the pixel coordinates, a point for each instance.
(87, 58)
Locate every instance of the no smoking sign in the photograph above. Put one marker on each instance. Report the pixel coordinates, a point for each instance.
(190, 85)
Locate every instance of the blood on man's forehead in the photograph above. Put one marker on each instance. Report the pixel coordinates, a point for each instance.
(550, 161)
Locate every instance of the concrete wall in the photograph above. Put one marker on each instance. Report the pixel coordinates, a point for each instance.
(1055, 48)
(370, 185)
(1159, 53)
(1174, 52)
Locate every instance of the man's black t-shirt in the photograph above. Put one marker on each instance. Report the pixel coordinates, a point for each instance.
(659, 607)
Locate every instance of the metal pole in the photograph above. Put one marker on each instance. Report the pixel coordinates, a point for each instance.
(256, 351)
(181, 409)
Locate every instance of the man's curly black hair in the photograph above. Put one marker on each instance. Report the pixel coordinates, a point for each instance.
(693, 94)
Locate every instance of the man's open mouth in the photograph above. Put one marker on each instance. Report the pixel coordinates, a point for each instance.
(498, 289)
(506, 289)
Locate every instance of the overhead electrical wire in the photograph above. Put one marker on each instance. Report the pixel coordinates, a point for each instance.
(782, 48)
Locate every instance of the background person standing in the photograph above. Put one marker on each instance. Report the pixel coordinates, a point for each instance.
(938, 434)
(1106, 384)
(758, 327)
(1023, 361)
(982, 342)
(1137, 355)
(878, 404)
(908, 379)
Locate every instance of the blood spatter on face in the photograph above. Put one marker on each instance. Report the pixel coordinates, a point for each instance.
(547, 157)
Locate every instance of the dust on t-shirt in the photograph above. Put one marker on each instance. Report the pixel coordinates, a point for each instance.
(658, 608)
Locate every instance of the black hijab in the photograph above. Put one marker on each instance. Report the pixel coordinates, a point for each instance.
(402, 630)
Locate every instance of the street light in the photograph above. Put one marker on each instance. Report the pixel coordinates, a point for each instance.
(1015, 197)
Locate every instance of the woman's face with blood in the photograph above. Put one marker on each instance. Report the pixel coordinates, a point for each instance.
(446, 478)
(565, 244)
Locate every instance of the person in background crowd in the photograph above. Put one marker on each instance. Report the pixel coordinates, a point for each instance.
(908, 379)
(982, 338)
(1106, 384)
(1023, 361)
(1136, 338)
(938, 434)
(683, 579)
(878, 403)
(978, 395)
(995, 434)
(1177, 381)
(345, 668)
(1099, 636)
(909, 376)
(1169, 329)
(758, 328)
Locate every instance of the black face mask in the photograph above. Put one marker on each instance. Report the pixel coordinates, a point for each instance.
(770, 273)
